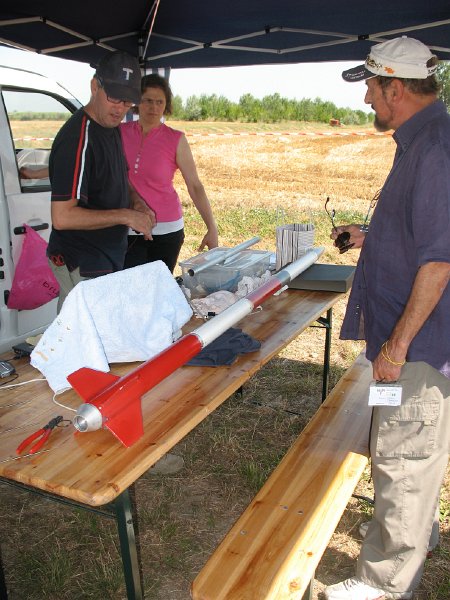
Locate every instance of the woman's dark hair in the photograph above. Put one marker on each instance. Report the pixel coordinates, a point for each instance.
(156, 81)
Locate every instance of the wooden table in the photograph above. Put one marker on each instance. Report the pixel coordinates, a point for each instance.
(94, 469)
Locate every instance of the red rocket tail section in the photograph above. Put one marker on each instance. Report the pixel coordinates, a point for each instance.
(127, 425)
(120, 407)
(90, 382)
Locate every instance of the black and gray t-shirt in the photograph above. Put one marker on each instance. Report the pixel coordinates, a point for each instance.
(87, 163)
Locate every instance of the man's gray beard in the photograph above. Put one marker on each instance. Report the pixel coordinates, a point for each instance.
(380, 126)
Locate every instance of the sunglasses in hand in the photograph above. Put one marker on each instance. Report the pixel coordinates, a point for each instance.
(343, 239)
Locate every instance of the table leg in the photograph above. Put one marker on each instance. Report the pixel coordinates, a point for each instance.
(130, 560)
(308, 593)
(326, 354)
(3, 590)
(327, 324)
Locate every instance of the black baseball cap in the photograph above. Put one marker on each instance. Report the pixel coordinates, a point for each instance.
(120, 76)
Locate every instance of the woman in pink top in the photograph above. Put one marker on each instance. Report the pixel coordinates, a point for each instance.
(154, 152)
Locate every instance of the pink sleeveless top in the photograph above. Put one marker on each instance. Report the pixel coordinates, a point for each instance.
(152, 165)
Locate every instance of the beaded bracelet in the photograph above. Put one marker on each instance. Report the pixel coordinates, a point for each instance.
(386, 356)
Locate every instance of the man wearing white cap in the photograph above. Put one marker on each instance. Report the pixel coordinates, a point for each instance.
(400, 305)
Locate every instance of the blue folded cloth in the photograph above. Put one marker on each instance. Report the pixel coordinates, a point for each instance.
(225, 349)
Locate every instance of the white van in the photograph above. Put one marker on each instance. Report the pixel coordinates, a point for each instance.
(25, 143)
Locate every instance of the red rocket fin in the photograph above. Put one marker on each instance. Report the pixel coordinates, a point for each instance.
(90, 382)
(121, 408)
(127, 425)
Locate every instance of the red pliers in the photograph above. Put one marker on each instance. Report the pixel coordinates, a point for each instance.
(42, 433)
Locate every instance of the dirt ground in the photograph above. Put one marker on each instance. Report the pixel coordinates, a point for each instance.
(253, 182)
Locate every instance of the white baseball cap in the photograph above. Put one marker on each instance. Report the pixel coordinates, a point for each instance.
(401, 57)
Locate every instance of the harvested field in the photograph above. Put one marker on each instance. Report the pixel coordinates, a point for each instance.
(290, 171)
(254, 183)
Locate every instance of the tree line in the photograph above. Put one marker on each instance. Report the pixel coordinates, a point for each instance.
(274, 108)
(270, 109)
(39, 116)
(443, 75)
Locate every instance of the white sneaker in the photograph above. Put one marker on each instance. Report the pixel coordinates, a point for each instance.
(354, 589)
(363, 528)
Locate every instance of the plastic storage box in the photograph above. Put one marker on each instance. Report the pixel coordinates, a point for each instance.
(225, 275)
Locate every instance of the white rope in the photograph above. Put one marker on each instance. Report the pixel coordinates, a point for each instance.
(63, 405)
(13, 385)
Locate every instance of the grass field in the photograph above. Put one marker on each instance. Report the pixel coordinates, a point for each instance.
(254, 182)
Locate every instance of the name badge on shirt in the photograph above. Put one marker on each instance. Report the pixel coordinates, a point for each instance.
(385, 394)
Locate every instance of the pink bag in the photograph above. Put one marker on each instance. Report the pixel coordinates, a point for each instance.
(34, 283)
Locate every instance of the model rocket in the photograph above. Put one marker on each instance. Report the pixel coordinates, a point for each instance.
(114, 402)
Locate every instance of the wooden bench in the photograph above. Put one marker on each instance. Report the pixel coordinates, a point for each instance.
(273, 549)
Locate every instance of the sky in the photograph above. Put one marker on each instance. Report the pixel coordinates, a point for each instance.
(307, 80)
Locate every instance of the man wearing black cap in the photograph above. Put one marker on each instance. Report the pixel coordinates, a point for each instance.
(400, 305)
(92, 205)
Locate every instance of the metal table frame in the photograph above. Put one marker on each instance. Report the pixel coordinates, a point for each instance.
(123, 511)
(327, 324)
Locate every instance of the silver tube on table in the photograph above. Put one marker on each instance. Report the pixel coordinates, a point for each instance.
(228, 254)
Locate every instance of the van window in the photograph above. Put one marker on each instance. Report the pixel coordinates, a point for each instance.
(35, 118)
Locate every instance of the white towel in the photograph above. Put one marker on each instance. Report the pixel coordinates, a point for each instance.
(126, 316)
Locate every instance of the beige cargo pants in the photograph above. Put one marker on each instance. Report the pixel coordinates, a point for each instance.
(67, 281)
(409, 450)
